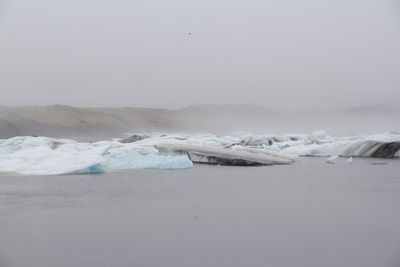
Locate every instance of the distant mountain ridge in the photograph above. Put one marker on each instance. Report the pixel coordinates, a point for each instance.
(68, 121)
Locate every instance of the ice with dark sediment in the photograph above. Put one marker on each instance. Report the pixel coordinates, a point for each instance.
(374, 146)
(227, 156)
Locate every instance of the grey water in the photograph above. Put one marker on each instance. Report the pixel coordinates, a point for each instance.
(309, 214)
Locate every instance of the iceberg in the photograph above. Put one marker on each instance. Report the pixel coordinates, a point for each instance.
(374, 146)
(225, 156)
(136, 157)
(50, 156)
(47, 156)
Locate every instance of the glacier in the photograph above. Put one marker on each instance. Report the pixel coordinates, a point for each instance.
(29, 155)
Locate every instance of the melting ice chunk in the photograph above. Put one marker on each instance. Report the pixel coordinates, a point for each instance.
(335, 159)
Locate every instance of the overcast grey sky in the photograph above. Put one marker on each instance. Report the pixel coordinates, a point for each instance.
(173, 53)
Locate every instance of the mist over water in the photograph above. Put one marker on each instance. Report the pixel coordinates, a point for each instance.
(275, 54)
(96, 123)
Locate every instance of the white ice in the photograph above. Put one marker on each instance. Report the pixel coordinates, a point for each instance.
(48, 156)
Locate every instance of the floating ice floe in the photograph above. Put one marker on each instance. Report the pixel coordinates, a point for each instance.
(335, 159)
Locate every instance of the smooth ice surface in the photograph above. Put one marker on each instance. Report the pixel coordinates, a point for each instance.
(229, 156)
(134, 160)
(307, 214)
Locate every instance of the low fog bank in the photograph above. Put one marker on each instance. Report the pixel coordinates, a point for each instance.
(96, 123)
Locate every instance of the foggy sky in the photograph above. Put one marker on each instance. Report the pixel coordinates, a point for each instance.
(159, 53)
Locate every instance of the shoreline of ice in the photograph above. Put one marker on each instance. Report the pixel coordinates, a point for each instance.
(50, 156)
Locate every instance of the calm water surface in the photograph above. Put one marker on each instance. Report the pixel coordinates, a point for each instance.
(307, 214)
